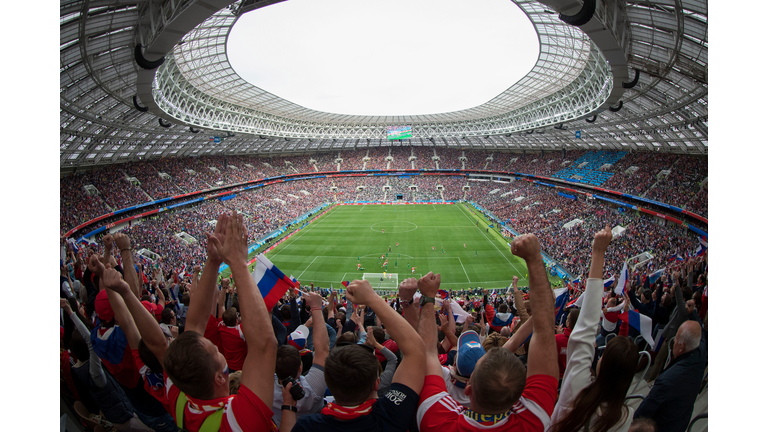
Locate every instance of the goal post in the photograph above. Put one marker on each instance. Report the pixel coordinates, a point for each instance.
(383, 281)
(638, 260)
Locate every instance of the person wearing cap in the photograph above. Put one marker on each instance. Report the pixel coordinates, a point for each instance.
(110, 343)
(456, 377)
(503, 396)
(288, 364)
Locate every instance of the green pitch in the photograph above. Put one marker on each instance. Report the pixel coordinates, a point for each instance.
(326, 252)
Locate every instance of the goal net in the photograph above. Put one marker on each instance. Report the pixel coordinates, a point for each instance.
(638, 260)
(382, 281)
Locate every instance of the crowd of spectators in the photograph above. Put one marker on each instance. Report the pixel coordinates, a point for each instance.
(682, 184)
(423, 158)
(681, 188)
(152, 348)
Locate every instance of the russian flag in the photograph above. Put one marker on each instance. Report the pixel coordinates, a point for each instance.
(459, 314)
(653, 277)
(577, 280)
(622, 280)
(576, 302)
(643, 324)
(561, 300)
(443, 293)
(700, 250)
(679, 258)
(608, 282)
(271, 281)
(672, 256)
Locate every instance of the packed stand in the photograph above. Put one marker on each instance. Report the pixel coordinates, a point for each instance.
(649, 165)
(377, 157)
(148, 348)
(423, 158)
(682, 184)
(76, 205)
(449, 158)
(453, 187)
(325, 161)
(476, 160)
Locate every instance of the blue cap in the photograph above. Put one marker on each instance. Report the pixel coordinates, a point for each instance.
(470, 351)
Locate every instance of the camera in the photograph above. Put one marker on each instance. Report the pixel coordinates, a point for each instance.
(297, 391)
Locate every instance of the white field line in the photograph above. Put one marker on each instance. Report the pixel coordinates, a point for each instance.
(295, 237)
(492, 243)
(310, 264)
(465, 270)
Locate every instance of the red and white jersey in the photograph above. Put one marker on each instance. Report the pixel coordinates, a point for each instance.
(242, 412)
(232, 345)
(439, 412)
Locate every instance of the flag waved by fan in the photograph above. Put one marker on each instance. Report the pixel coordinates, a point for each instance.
(272, 283)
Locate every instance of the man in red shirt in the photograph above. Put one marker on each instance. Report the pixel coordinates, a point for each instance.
(503, 396)
(196, 373)
(231, 340)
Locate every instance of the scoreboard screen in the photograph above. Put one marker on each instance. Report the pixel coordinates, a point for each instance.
(398, 132)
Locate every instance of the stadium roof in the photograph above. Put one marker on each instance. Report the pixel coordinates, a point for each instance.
(118, 103)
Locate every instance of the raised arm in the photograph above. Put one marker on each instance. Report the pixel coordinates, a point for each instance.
(411, 311)
(146, 324)
(581, 345)
(542, 357)
(320, 339)
(521, 335)
(428, 330)
(94, 368)
(200, 303)
(123, 243)
(411, 372)
(259, 365)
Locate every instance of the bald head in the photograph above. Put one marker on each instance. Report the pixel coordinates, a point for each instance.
(687, 338)
(505, 331)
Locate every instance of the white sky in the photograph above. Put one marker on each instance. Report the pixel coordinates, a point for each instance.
(394, 57)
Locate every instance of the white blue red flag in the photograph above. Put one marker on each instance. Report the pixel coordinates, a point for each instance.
(561, 300)
(622, 280)
(608, 282)
(653, 277)
(271, 281)
(643, 324)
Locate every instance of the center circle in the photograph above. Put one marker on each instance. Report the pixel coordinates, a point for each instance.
(394, 227)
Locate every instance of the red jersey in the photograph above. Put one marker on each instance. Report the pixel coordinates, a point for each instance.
(242, 412)
(232, 345)
(562, 349)
(390, 345)
(154, 383)
(439, 412)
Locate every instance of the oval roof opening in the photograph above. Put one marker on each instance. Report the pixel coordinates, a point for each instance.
(396, 57)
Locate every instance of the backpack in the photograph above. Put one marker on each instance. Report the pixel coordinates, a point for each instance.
(212, 423)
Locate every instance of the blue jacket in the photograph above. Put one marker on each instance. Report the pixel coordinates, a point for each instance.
(670, 402)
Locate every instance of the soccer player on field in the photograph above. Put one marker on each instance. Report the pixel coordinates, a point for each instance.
(413, 270)
(397, 244)
(358, 266)
(465, 245)
(382, 231)
(433, 248)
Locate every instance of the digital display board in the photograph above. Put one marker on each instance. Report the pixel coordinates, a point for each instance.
(398, 132)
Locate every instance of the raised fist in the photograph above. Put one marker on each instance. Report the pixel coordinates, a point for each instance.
(107, 240)
(407, 289)
(602, 240)
(429, 284)
(122, 241)
(526, 247)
